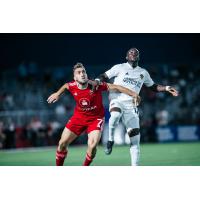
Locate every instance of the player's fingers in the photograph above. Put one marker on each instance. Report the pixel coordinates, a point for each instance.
(50, 97)
(50, 100)
(135, 101)
(138, 100)
(174, 93)
(174, 90)
(54, 100)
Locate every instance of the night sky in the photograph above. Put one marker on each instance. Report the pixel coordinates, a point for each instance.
(97, 49)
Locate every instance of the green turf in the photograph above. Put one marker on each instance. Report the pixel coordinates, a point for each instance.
(175, 154)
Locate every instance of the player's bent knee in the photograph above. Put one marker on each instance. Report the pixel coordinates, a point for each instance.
(115, 109)
(133, 132)
(62, 144)
(92, 144)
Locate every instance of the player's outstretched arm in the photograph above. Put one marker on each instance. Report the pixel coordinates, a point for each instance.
(162, 88)
(55, 96)
(136, 97)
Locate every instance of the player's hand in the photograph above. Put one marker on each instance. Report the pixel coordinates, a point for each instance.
(94, 85)
(136, 100)
(53, 98)
(172, 91)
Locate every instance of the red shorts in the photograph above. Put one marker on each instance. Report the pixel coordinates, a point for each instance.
(78, 125)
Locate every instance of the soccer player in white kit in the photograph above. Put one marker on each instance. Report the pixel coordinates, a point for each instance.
(131, 76)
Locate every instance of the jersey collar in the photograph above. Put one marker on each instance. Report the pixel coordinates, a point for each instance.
(81, 88)
(131, 66)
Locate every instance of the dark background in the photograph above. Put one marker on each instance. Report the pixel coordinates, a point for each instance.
(97, 49)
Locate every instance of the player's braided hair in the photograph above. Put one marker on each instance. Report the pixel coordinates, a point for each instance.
(78, 65)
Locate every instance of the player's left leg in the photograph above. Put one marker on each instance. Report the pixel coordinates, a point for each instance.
(93, 140)
(67, 137)
(134, 135)
(131, 121)
(115, 115)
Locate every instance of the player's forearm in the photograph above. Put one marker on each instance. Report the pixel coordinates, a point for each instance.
(61, 90)
(158, 88)
(127, 91)
(123, 90)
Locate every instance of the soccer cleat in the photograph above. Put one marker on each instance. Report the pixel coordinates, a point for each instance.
(108, 149)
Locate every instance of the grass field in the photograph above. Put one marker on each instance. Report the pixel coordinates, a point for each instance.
(174, 154)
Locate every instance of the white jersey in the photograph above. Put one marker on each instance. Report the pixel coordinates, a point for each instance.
(132, 78)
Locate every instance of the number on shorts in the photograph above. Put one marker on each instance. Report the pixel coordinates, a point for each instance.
(99, 123)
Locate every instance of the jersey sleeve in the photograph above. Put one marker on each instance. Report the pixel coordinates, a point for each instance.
(148, 80)
(114, 71)
(70, 86)
(103, 87)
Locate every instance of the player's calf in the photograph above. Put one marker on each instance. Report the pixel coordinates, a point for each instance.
(90, 156)
(134, 135)
(93, 140)
(60, 157)
(61, 153)
(66, 138)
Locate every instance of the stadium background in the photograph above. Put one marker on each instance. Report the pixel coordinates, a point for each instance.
(35, 65)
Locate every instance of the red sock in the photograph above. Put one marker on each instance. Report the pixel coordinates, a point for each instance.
(87, 161)
(60, 157)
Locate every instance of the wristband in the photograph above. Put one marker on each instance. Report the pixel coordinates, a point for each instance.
(98, 81)
(167, 88)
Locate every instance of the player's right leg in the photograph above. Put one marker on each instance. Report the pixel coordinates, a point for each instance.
(115, 115)
(66, 138)
(93, 140)
(130, 119)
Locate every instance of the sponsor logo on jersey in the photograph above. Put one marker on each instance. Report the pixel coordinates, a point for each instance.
(130, 81)
(141, 76)
(126, 73)
(139, 84)
(90, 108)
(84, 102)
(75, 94)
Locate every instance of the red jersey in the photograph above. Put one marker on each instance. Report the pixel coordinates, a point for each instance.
(88, 103)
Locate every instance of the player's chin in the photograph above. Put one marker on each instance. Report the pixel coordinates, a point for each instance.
(84, 81)
(133, 59)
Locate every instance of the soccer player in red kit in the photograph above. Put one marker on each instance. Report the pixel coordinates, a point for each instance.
(88, 114)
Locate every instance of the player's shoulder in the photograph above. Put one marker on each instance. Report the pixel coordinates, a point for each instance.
(119, 67)
(116, 66)
(72, 83)
(142, 69)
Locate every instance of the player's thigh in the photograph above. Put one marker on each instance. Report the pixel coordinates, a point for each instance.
(130, 119)
(95, 124)
(67, 136)
(94, 137)
(115, 106)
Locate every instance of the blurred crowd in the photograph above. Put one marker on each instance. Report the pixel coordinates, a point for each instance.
(27, 120)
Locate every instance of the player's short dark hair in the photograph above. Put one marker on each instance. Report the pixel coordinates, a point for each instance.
(134, 49)
(78, 65)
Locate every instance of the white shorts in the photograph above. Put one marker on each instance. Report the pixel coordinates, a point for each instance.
(129, 113)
